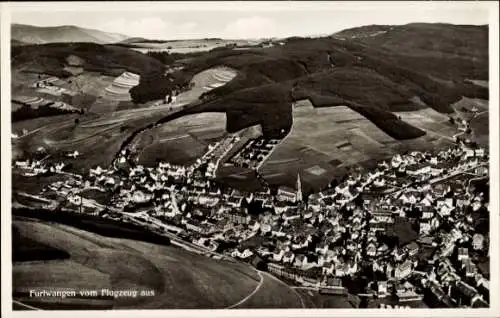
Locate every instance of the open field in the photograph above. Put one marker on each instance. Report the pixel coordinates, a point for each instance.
(180, 141)
(180, 279)
(435, 124)
(32, 125)
(324, 142)
(204, 81)
(185, 46)
(273, 294)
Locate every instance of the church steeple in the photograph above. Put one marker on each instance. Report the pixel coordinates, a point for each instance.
(299, 188)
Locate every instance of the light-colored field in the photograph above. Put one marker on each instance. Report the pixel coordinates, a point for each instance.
(116, 93)
(336, 138)
(434, 123)
(119, 89)
(180, 279)
(206, 81)
(481, 83)
(91, 83)
(189, 46)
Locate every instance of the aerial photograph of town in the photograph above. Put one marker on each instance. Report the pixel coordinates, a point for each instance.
(250, 159)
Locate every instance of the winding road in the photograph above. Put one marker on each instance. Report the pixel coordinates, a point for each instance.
(251, 294)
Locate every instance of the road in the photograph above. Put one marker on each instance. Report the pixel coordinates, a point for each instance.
(28, 307)
(293, 289)
(251, 294)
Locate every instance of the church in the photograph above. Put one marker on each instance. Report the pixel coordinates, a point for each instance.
(290, 194)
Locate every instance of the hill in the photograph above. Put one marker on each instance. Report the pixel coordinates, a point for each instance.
(400, 69)
(66, 33)
(14, 42)
(426, 39)
(133, 40)
(178, 279)
(362, 32)
(371, 74)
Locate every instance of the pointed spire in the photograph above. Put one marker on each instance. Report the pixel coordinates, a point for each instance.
(299, 188)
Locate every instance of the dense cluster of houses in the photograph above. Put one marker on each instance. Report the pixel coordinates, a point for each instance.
(407, 229)
(254, 153)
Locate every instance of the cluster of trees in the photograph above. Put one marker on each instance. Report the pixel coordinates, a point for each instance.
(163, 56)
(157, 85)
(28, 112)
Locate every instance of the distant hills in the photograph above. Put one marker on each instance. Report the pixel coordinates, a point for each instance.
(375, 70)
(435, 40)
(67, 33)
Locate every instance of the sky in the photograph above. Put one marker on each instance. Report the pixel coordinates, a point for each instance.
(241, 20)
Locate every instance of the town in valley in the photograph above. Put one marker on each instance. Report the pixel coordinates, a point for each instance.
(175, 170)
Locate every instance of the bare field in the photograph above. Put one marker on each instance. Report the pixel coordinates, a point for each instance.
(180, 279)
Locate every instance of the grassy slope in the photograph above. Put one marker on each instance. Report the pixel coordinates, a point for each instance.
(180, 279)
(273, 294)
